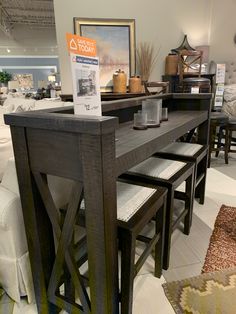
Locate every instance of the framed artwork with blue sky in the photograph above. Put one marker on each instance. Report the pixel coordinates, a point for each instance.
(115, 45)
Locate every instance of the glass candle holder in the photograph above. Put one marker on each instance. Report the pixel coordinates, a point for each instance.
(153, 109)
(164, 114)
(140, 121)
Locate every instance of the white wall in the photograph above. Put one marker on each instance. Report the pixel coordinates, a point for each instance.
(29, 41)
(162, 22)
(222, 31)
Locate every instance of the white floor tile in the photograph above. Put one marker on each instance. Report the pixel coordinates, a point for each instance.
(149, 296)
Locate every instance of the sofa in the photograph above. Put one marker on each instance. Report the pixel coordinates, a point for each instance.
(15, 273)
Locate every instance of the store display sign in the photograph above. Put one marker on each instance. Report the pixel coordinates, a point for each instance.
(220, 73)
(85, 75)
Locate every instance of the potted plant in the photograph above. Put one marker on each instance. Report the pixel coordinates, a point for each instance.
(5, 77)
(146, 59)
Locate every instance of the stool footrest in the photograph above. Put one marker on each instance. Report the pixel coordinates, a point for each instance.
(180, 196)
(179, 219)
(199, 179)
(146, 253)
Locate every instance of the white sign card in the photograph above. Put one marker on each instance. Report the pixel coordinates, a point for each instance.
(220, 73)
(219, 95)
(86, 87)
(195, 90)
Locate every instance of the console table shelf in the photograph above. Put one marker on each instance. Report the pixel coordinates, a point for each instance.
(91, 151)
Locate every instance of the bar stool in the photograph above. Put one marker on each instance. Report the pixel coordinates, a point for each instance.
(226, 131)
(218, 120)
(194, 153)
(231, 140)
(137, 205)
(169, 174)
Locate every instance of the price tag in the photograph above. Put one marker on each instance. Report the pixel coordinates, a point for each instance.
(195, 90)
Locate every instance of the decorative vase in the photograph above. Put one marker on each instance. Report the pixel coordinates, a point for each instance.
(135, 84)
(119, 82)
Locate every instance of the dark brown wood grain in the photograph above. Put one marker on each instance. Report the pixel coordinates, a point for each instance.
(84, 149)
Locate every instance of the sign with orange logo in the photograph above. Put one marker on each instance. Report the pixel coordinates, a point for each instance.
(81, 45)
(85, 75)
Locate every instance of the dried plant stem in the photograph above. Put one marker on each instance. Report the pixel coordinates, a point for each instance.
(146, 59)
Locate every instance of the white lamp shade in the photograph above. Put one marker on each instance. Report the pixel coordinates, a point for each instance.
(13, 85)
(51, 78)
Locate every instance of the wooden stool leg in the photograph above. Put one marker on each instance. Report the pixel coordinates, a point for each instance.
(211, 144)
(189, 204)
(227, 146)
(168, 227)
(200, 190)
(159, 247)
(127, 270)
(219, 144)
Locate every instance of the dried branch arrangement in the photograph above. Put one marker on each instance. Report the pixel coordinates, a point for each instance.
(146, 59)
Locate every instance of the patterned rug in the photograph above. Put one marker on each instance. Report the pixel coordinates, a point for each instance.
(211, 292)
(221, 253)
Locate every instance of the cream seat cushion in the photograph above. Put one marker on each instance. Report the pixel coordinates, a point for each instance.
(183, 149)
(158, 167)
(130, 198)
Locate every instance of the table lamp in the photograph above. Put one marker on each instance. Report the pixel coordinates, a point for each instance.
(13, 86)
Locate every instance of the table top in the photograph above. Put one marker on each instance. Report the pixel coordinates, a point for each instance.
(133, 146)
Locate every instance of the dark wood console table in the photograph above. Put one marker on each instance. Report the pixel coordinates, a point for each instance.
(91, 151)
(174, 81)
(106, 96)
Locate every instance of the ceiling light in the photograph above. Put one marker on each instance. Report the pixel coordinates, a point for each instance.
(8, 50)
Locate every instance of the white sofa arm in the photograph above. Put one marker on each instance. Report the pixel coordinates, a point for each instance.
(11, 219)
(15, 273)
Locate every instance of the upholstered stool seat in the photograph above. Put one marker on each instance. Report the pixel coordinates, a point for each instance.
(190, 152)
(218, 120)
(169, 174)
(137, 205)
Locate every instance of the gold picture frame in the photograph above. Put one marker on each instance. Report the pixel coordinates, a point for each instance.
(115, 45)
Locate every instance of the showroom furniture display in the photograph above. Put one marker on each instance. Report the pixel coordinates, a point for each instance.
(226, 130)
(174, 80)
(191, 152)
(190, 61)
(160, 87)
(137, 205)
(15, 271)
(218, 121)
(18, 104)
(170, 174)
(231, 126)
(92, 152)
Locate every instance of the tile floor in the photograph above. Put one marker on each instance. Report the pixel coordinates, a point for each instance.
(188, 252)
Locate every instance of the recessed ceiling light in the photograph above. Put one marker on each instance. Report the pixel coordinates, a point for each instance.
(8, 50)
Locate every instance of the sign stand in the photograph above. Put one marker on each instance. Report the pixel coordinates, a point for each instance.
(85, 75)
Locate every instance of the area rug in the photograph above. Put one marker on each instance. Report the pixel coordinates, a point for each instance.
(214, 291)
(209, 293)
(221, 253)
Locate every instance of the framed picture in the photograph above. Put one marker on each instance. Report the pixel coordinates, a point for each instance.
(115, 45)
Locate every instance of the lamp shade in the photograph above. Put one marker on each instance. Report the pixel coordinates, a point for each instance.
(51, 78)
(13, 85)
